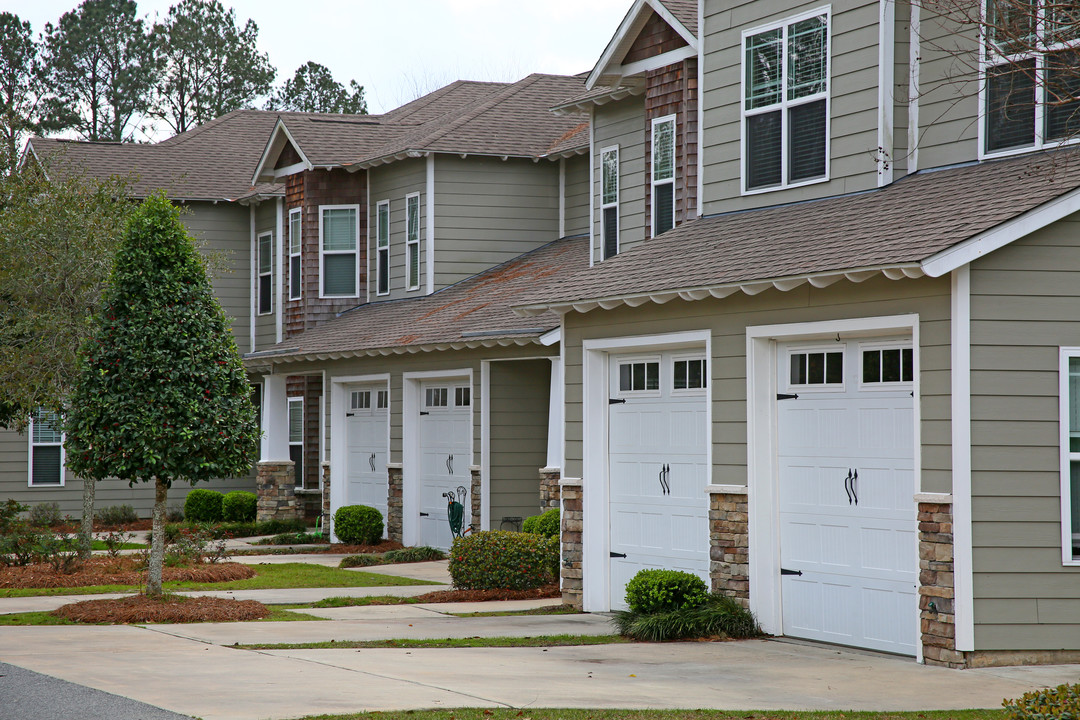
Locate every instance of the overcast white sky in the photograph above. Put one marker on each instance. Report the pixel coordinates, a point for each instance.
(398, 49)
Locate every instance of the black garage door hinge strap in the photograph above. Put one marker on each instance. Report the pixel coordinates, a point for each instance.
(786, 396)
(615, 554)
(616, 401)
(785, 571)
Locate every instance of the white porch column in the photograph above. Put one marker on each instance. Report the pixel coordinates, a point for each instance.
(555, 416)
(275, 420)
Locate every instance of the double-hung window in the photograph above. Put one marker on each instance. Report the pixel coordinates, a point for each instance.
(786, 103)
(382, 247)
(1031, 74)
(663, 174)
(296, 437)
(412, 241)
(338, 230)
(609, 201)
(1069, 406)
(46, 450)
(266, 274)
(294, 255)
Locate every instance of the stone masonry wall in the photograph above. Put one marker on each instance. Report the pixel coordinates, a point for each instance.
(936, 595)
(729, 545)
(394, 515)
(325, 507)
(476, 490)
(572, 524)
(549, 488)
(275, 486)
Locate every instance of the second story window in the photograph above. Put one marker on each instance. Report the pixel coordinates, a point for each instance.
(609, 200)
(266, 274)
(382, 247)
(663, 174)
(338, 250)
(786, 103)
(294, 255)
(412, 241)
(1031, 74)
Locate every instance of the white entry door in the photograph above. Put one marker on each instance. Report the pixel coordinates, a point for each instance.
(657, 435)
(848, 544)
(445, 455)
(367, 434)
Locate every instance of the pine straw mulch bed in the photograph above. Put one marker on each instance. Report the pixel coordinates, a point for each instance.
(116, 571)
(75, 527)
(447, 596)
(168, 609)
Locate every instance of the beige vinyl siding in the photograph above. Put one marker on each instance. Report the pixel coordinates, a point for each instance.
(393, 182)
(853, 97)
(1023, 308)
(577, 195)
(488, 211)
(224, 230)
(727, 320)
(519, 425)
(266, 325)
(623, 124)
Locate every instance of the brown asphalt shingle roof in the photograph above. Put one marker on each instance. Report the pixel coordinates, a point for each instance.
(902, 224)
(211, 162)
(476, 310)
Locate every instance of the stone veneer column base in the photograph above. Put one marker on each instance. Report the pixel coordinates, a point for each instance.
(729, 543)
(549, 488)
(477, 492)
(394, 495)
(325, 507)
(275, 485)
(936, 588)
(571, 526)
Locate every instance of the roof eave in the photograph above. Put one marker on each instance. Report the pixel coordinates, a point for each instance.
(269, 359)
(632, 89)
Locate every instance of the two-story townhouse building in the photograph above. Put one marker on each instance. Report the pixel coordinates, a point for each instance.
(845, 394)
(410, 235)
(207, 171)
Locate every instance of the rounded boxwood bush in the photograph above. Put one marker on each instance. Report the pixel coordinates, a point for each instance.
(502, 560)
(652, 591)
(546, 524)
(239, 506)
(203, 506)
(358, 525)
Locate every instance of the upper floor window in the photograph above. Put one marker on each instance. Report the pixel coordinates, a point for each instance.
(609, 200)
(1031, 74)
(294, 255)
(663, 174)
(266, 274)
(412, 241)
(786, 103)
(338, 229)
(46, 449)
(382, 247)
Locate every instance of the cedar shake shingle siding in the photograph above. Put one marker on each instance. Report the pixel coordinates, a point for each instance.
(655, 38)
(672, 90)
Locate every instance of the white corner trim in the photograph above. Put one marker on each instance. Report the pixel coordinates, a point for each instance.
(279, 274)
(253, 289)
(914, 68)
(1001, 235)
(726, 490)
(562, 197)
(886, 73)
(551, 337)
(700, 149)
(485, 445)
(963, 580)
(429, 241)
(594, 193)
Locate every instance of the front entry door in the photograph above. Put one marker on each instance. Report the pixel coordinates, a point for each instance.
(366, 427)
(445, 455)
(848, 546)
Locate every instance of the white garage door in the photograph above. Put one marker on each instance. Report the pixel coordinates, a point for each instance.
(366, 425)
(445, 455)
(657, 467)
(848, 546)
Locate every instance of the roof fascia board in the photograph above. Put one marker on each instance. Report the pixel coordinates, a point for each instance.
(628, 31)
(257, 360)
(658, 61)
(619, 93)
(1001, 235)
(273, 149)
(290, 170)
(28, 152)
(415, 154)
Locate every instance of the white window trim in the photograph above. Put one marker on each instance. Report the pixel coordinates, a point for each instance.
(379, 248)
(293, 443)
(653, 182)
(260, 274)
(820, 387)
(637, 360)
(30, 458)
(1040, 89)
(615, 204)
(354, 252)
(886, 386)
(1067, 457)
(688, 357)
(409, 243)
(295, 212)
(783, 105)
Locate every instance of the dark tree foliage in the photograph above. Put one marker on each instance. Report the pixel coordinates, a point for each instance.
(212, 65)
(25, 107)
(313, 89)
(162, 395)
(103, 63)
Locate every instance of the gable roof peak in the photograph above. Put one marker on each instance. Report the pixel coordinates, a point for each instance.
(679, 15)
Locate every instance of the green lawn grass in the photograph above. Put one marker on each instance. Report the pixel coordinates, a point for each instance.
(471, 642)
(100, 545)
(557, 714)
(268, 577)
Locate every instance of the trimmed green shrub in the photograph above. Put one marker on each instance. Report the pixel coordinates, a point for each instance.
(203, 506)
(652, 591)
(546, 524)
(222, 530)
(1060, 703)
(272, 527)
(351, 561)
(358, 525)
(46, 514)
(116, 515)
(497, 559)
(716, 616)
(239, 506)
(413, 554)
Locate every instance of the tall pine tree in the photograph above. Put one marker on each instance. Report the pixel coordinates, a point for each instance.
(162, 395)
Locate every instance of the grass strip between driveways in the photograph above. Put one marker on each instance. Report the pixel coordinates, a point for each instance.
(470, 642)
(577, 714)
(267, 577)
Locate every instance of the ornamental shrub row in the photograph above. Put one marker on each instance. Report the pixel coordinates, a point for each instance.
(546, 524)
(1060, 703)
(211, 506)
(498, 559)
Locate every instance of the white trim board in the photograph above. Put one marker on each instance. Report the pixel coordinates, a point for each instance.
(886, 104)
(963, 553)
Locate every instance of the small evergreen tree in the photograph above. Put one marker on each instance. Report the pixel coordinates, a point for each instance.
(161, 395)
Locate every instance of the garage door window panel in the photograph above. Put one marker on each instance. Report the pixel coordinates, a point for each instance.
(640, 377)
(816, 368)
(887, 366)
(689, 375)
